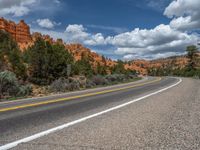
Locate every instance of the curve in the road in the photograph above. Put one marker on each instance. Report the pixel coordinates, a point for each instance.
(38, 135)
(75, 97)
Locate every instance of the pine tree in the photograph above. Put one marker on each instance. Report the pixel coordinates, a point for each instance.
(192, 55)
(83, 67)
(48, 62)
(11, 56)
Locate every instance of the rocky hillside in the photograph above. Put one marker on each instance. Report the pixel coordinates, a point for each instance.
(176, 62)
(78, 51)
(21, 33)
(140, 66)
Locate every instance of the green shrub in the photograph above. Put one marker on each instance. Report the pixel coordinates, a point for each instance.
(60, 85)
(63, 85)
(24, 90)
(90, 84)
(116, 78)
(131, 76)
(74, 85)
(99, 80)
(9, 85)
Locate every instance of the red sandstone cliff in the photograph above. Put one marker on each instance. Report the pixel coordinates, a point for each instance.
(79, 50)
(20, 32)
(140, 66)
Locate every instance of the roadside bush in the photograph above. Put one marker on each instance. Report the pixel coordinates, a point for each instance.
(122, 77)
(114, 78)
(90, 84)
(9, 85)
(63, 85)
(25, 90)
(111, 78)
(82, 81)
(74, 85)
(131, 76)
(99, 80)
(60, 85)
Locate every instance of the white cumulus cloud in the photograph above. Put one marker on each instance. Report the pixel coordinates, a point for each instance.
(161, 39)
(47, 23)
(185, 14)
(16, 8)
(77, 33)
(139, 43)
(141, 38)
(19, 8)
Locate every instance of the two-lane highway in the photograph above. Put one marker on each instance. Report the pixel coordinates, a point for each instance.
(33, 118)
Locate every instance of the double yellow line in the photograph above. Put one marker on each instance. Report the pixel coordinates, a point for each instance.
(74, 97)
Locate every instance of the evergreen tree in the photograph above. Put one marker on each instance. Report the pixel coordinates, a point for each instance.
(48, 62)
(10, 56)
(83, 67)
(192, 55)
(101, 69)
(119, 68)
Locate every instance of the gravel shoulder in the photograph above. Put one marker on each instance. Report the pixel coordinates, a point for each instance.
(169, 120)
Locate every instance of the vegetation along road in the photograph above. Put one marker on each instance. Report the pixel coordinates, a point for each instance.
(152, 113)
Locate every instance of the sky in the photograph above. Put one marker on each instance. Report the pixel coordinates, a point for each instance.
(118, 29)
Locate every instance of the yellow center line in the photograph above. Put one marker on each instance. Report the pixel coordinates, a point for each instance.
(75, 97)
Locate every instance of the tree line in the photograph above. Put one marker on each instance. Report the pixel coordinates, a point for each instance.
(43, 63)
(192, 69)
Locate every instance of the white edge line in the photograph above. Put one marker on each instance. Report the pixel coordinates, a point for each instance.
(52, 130)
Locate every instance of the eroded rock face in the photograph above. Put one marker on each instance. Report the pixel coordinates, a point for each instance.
(20, 32)
(79, 51)
(140, 66)
(178, 62)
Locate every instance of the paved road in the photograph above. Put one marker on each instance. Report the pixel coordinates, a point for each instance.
(167, 120)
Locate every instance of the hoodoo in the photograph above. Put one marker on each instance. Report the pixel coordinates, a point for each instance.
(20, 32)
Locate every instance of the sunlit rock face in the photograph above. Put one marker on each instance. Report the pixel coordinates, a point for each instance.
(79, 51)
(139, 66)
(20, 32)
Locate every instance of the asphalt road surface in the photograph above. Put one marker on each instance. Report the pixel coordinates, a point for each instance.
(149, 114)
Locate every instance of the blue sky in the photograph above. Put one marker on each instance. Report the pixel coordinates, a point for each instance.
(119, 29)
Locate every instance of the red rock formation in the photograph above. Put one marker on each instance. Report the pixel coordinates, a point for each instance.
(8, 26)
(20, 32)
(175, 62)
(36, 35)
(23, 32)
(138, 65)
(78, 51)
